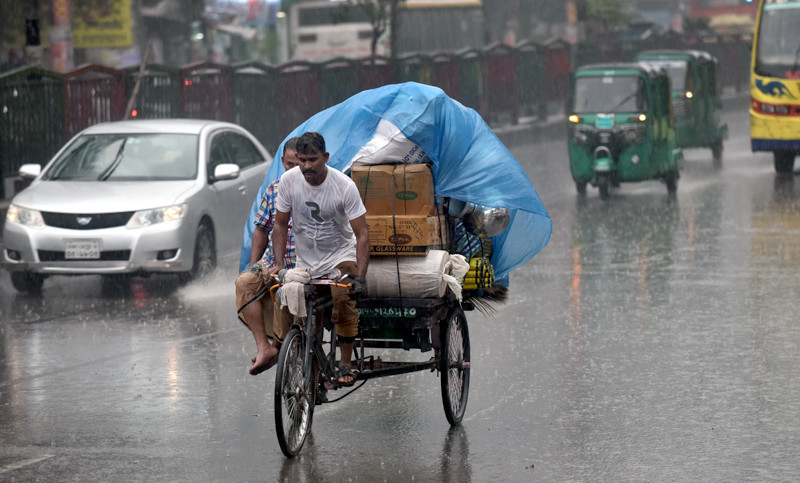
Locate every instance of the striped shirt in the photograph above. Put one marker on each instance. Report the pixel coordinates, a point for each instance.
(266, 218)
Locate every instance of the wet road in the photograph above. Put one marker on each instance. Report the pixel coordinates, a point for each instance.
(651, 340)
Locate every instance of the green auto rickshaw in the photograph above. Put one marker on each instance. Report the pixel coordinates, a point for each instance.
(621, 127)
(695, 97)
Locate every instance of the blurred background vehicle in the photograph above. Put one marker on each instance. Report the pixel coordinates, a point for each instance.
(135, 197)
(695, 97)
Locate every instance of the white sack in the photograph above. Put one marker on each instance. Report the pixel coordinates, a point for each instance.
(388, 145)
(419, 277)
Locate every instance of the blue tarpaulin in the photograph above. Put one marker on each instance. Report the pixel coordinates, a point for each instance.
(469, 162)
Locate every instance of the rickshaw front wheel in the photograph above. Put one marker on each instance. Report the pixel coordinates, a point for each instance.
(294, 397)
(454, 365)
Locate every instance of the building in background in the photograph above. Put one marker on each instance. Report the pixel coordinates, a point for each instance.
(60, 34)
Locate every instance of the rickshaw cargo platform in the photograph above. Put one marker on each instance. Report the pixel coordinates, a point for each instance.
(387, 189)
(406, 234)
(402, 323)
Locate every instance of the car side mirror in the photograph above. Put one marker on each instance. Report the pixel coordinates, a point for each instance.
(226, 171)
(29, 171)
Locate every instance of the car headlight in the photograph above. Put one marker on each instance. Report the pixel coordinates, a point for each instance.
(25, 217)
(145, 218)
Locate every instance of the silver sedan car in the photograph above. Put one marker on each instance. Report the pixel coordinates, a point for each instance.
(135, 197)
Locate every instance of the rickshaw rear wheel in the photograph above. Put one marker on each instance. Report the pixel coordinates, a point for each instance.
(581, 187)
(784, 161)
(716, 153)
(454, 365)
(294, 399)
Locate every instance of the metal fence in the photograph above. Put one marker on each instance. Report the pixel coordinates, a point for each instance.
(40, 110)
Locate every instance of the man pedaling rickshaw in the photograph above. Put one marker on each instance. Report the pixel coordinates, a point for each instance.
(331, 233)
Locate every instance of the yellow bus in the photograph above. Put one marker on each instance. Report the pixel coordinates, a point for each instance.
(775, 82)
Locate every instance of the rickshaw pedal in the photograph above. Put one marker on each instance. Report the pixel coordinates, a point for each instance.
(322, 396)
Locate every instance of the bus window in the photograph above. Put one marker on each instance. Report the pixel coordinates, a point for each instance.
(323, 30)
(778, 51)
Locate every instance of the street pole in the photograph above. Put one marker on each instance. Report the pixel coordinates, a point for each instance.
(61, 38)
(395, 25)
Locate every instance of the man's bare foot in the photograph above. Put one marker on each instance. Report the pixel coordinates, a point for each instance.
(264, 360)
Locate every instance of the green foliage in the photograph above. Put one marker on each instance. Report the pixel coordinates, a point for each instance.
(695, 25)
(12, 23)
(609, 14)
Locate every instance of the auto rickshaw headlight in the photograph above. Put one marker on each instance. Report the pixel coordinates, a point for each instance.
(689, 94)
(643, 117)
(574, 118)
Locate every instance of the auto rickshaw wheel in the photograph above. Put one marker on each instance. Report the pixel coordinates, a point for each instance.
(716, 153)
(671, 179)
(602, 184)
(784, 161)
(581, 187)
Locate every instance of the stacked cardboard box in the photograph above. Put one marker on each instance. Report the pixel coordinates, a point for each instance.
(401, 207)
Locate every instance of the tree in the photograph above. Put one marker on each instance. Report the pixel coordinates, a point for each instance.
(382, 14)
(609, 15)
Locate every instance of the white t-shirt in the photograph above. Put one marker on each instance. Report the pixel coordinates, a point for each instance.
(321, 218)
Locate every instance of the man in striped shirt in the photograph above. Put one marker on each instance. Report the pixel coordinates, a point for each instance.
(255, 310)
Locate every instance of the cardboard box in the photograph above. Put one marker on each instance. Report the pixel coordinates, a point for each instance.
(404, 189)
(415, 234)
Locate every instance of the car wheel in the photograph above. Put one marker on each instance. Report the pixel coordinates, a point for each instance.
(205, 254)
(27, 282)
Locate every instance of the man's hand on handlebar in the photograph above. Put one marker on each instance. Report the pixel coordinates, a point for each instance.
(358, 284)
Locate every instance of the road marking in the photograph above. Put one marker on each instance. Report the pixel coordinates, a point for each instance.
(22, 464)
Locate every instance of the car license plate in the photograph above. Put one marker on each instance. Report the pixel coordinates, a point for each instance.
(82, 249)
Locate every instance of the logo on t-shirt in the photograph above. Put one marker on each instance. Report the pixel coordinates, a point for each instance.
(314, 211)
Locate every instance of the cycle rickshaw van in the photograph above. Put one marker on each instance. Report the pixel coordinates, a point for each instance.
(486, 218)
(621, 127)
(695, 97)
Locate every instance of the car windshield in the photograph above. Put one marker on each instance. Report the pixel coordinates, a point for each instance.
(676, 69)
(127, 157)
(778, 39)
(607, 94)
